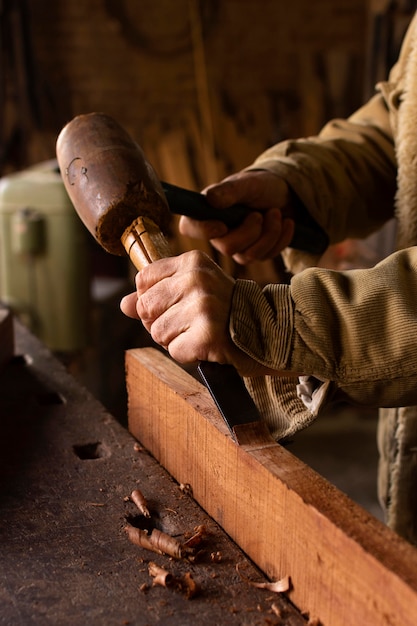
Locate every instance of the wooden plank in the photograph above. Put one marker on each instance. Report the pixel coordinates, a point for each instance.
(346, 567)
(6, 336)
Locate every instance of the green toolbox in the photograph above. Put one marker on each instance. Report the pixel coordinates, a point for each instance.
(44, 268)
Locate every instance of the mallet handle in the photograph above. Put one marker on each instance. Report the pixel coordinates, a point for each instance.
(145, 243)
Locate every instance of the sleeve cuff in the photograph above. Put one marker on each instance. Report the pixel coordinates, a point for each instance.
(261, 322)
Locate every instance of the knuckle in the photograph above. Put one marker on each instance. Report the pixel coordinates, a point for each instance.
(159, 332)
(196, 258)
(145, 308)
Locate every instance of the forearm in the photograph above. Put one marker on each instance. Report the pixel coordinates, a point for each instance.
(355, 329)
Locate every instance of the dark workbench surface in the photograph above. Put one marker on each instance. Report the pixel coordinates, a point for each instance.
(66, 467)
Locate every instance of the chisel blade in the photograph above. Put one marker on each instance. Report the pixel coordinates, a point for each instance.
(229, 394)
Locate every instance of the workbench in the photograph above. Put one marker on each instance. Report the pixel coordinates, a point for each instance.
(67, 470)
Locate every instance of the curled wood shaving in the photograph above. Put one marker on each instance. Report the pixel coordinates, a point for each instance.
(160, 542)
(277, 586)
(185, 585)
(139, 499)
(160, 575)
(138, 537)
(157, 541)
(166, 544)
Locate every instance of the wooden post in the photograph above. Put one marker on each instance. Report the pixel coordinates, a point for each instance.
(346, 567)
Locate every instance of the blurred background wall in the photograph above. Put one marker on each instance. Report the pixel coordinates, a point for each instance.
(202, 85)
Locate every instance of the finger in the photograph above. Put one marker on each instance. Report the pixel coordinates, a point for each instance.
(276, 235)
(239, 187)
(164, 283)
(153, 273)
(169, 325)
(241, 238)
(227, 192)
(128, 305)
(258, 189)
(207, 229)
(156, 300)
(287, 234)
(185, 349)
(267, 241)
(196, 342)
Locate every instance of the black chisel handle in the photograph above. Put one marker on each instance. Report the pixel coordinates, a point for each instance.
(308, 235)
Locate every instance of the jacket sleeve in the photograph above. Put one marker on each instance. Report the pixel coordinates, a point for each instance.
(346, 176)
(353, 331)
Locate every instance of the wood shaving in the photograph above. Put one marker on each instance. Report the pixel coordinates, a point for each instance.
(157, 541)
(200, 533)
(278, 586)
(160, 575)
(139, 499)
(186, 585)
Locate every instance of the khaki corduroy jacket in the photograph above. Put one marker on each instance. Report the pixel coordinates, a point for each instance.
(353, 333)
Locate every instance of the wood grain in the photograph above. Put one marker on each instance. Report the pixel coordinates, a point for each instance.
(346, 567)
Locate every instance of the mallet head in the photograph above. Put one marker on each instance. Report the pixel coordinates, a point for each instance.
(108, 179)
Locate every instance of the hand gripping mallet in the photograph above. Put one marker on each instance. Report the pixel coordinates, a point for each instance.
(119, 198)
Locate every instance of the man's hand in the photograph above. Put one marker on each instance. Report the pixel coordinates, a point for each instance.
(184, 302)
(264, 233)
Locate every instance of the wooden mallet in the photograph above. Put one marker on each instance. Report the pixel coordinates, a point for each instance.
(113, 188)
(119, 198)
